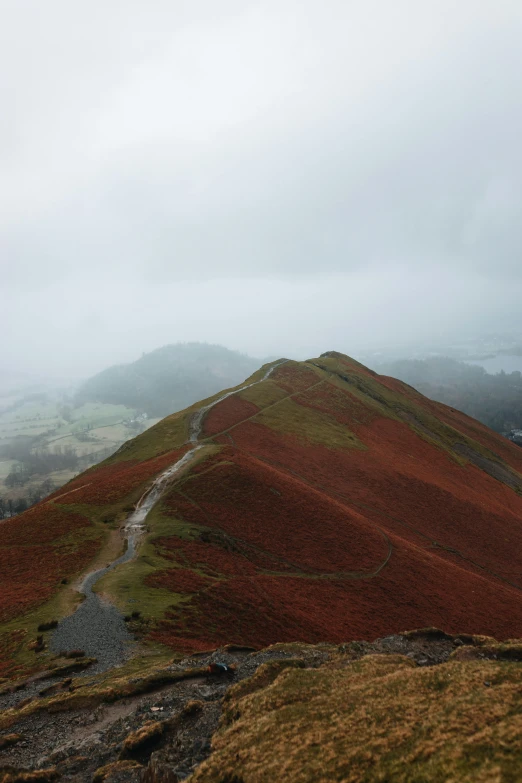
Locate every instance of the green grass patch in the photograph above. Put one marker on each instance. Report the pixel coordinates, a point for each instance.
(126, 584)
(264, 394)
(309, 425)
(395, 405)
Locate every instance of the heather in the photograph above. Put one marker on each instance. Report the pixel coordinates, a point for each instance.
(325, 503)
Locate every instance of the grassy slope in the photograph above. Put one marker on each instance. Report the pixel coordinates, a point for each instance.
(453, 530)
(377, 719)
(301, 447)
(330, 503)
(94, 504)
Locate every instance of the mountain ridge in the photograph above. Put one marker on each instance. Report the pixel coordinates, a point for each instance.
(325, 502)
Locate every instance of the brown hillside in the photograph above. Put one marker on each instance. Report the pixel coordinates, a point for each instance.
(327, 504)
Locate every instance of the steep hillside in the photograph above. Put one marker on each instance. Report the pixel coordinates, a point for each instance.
(493, 399)
(381, 718)
(169, 378)
(323, 503)
(419, 707)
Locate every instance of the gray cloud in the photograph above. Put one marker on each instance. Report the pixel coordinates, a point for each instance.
(357, 163)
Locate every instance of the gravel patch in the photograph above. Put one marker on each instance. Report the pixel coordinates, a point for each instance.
(97, 627)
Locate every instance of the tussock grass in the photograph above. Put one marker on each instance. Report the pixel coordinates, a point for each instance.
(377, 719)
(116, 769)
(264, 676)
(496, 651)
(11, 775)
(147, 735)
(85, 694)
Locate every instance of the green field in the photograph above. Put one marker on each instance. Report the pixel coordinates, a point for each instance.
(36, 418)
(91, 431)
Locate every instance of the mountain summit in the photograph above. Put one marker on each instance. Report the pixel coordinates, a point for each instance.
(316, 502)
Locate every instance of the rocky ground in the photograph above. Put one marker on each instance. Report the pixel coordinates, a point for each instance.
(162, 736)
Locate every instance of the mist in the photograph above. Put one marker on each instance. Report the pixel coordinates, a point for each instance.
(282, 178)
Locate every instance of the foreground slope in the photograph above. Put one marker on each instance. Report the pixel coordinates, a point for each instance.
(325, 503)
(381, 718)
(419, 706)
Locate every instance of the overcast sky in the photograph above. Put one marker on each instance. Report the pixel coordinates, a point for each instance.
(279, 176)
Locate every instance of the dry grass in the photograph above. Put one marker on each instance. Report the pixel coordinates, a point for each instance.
(30, 776)
(146, 735)
(264, 676)
(375, 720)
(116, 768)
(495, 651)
(86, 695)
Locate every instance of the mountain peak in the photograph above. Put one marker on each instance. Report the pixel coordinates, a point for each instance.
(316, 501)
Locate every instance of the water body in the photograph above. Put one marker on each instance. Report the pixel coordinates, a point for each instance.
(498, 363)
(97, 627)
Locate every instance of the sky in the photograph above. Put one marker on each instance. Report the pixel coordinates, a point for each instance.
(283, 177)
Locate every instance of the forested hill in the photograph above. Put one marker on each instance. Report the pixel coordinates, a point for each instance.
(169, 378)
(495, 400)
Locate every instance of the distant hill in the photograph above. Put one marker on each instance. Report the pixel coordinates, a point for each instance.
(169, 378)
(493, 399)
(324, 503)
(318, 508)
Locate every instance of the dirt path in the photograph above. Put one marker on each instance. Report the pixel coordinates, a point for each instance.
(97, 627)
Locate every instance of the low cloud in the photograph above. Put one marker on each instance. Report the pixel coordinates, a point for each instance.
(263, 174)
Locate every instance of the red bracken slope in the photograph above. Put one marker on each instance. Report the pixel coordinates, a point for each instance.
(327, 504)
(342, 505)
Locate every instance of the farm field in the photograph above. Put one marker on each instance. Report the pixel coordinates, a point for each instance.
(76, 437)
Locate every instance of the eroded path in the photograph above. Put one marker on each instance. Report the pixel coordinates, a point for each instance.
(79, 739)
(97, 627)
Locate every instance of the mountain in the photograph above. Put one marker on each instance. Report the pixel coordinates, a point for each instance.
(169, 378)
(290, 529)
(493, 399)
(323, 503)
